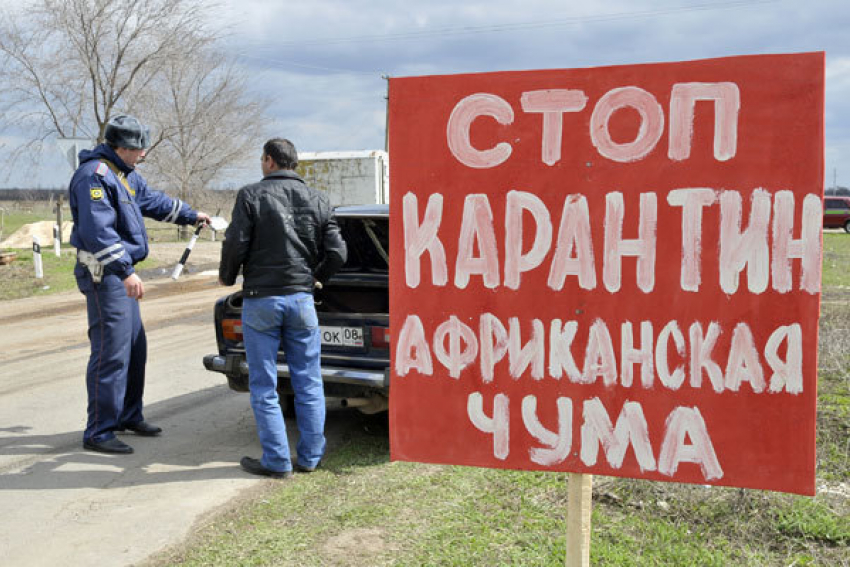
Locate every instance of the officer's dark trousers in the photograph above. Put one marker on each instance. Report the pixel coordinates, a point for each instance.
(116, 371)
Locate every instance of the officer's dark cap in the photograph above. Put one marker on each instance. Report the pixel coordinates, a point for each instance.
(124, 131)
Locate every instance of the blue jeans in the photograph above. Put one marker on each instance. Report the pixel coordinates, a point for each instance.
(290, 320)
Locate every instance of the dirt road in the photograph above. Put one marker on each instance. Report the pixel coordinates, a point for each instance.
(62, 505)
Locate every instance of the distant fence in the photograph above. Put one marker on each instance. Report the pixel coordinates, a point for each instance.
(30, 207)
(32, 195)
(31, 199)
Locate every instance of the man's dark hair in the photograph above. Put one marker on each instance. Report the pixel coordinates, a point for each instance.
(282, 151)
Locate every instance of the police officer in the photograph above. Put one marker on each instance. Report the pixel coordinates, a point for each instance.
(108, 200)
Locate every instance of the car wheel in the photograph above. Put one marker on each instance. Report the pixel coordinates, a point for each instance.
(847, 226)
(238, 383)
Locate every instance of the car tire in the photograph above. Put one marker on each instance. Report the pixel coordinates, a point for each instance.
(847, 227)
(238, 383)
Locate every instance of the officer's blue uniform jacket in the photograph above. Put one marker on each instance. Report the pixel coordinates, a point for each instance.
(108, 217)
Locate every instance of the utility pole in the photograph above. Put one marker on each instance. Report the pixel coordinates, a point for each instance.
(387, 115)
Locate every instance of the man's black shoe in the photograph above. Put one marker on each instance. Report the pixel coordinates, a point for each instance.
(303, 469)
(142, 428)
(254, 466)
(109, 446)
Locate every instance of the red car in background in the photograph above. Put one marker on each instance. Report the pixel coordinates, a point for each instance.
(836, 212)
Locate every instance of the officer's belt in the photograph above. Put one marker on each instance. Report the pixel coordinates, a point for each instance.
(120, 175)
(95, 268)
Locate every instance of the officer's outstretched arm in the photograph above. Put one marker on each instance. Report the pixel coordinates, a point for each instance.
(157, 205)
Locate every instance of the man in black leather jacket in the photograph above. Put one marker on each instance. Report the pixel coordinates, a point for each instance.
(284, 236)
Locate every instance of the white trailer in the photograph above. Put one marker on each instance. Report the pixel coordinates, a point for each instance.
(350, 178)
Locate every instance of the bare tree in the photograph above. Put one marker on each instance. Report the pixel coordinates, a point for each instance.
(203, 119)
(67, 66)
(70, 64)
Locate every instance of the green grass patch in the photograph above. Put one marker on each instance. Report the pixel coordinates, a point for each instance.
(836, 260)
(833, 427)
(812, 521)
(634, 540)
(17, 280)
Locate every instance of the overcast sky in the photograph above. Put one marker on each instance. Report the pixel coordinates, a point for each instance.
(323, 61)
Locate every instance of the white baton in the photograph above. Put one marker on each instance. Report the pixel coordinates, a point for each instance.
(178, 269)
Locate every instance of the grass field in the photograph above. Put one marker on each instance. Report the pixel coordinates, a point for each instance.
(363, 510)
(836, 260)
(17, 280)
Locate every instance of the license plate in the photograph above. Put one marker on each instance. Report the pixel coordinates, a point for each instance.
(342, 336)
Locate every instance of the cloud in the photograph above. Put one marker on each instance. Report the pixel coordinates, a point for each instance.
(838, 74)
(356, 42)
(321, 62)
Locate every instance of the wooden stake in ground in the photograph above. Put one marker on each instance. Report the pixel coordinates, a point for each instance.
(579, 500)
(59, 217)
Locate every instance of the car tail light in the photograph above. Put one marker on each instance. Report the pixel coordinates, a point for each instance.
(380, 337)
(232, 329)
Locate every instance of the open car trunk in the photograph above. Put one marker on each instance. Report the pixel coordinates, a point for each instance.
(353, 312)
(362, 285)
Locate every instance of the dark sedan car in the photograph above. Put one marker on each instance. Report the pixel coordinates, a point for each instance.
(353, 309)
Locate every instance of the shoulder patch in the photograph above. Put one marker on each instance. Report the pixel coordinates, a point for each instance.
(102, 168)
(96, 193)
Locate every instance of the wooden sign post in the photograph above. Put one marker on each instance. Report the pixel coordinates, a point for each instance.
(579, 504)
(610, 271)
